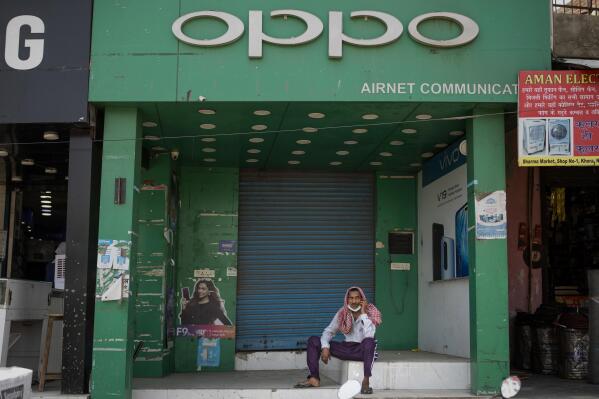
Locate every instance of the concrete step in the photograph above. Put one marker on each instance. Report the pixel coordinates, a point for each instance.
(406, 370)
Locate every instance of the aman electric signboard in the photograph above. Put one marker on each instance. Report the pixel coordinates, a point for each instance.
(44, 60)
(558, 118)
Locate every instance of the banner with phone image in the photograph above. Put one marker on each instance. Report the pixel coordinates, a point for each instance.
(444, 209)
(203, 312)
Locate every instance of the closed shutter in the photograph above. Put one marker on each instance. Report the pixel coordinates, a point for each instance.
(303, 240)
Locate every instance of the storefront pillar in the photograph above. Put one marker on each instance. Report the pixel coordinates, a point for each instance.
(489, 337)
(82, 239)
(114, 318)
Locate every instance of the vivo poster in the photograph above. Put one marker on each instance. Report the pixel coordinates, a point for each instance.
(203, 312)
(558, 118)
(444, 214)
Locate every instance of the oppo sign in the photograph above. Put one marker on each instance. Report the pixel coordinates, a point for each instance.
(314, 27)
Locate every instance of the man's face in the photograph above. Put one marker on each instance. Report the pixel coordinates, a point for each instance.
(354, 298)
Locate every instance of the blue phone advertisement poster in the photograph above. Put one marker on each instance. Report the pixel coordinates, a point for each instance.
(444, 209)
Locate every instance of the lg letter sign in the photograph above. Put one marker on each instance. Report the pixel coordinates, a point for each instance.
(14, 42)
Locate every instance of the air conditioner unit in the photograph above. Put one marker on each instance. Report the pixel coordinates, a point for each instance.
(59, 271)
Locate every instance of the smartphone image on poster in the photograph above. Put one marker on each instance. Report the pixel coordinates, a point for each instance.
(185, 292)
(438, 232)
(461, 241)
(447, 258)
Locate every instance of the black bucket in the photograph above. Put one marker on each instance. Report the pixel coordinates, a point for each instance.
(545, 350)
(574, 353)
(523, 346)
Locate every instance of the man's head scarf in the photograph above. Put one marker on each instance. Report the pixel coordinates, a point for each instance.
(345, 315)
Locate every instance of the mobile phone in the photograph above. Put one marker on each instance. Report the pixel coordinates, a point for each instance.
(438, 233)
(185, 292)
(447, 258)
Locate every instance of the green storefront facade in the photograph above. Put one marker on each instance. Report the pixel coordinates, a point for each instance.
(193, 94)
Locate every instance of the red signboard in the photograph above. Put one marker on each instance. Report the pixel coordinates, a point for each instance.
(558, 118)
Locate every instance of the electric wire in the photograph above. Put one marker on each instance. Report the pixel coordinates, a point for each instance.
(266, 132)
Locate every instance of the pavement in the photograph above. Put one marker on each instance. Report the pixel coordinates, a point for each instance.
(277, 384)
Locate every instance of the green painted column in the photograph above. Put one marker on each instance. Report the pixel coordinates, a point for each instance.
(114, 320)
(489, 337)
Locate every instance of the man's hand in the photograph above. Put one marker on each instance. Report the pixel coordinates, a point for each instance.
(325, 355)
(364, 304)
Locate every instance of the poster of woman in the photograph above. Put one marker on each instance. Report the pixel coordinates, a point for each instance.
(203, 312)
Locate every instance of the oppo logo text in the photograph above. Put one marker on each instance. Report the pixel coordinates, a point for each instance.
(314, 28)
(14, 40)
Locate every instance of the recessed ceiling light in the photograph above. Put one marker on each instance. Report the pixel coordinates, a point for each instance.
(46, 201)
(415, 164)
(256, 140)
(397, 142)
(208, 139)
(316, 115)
(158, 148)
(376, 163)
(207, 126)
(463, 148)
(261, 112)
(440, 145)
(46, 206)
(149, 124)
(254, 151)
(16, 178)
(427, 154)
(456, 133)
(386, 154)
(370, 117)
(293, 162)
(151, 138)
(423, 117)
(51, 170)
(298, 152)
(46, 196)
(303, 142)
(44, 214)
(342, 152)
(335, 163)
(3, 153)
(209, 149)
(259, 127)
(350, 142)
(51, 135)
(360, 130)
(47, 192)
(205, 111)
(409, 131)
(27, 162)
(251, 160)
(310, 129)
(209, 159)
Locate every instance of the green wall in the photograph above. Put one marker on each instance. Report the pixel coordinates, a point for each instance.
(208, 214)
(396, 290)
(154, 274)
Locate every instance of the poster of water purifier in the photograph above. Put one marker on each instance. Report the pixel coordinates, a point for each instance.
(444, 214)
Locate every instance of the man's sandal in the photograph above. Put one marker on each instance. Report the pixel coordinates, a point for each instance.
(366, 391)
(304, 384)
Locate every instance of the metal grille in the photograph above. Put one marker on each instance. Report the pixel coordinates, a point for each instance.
(303, 240)
(586, 7)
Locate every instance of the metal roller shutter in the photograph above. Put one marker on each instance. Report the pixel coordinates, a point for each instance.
(303, 240)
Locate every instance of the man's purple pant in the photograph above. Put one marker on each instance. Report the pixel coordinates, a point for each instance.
(361, 351)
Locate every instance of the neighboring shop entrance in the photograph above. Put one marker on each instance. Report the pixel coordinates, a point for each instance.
(303, 239)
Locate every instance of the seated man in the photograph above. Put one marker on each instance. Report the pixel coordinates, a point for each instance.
(357, 320)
